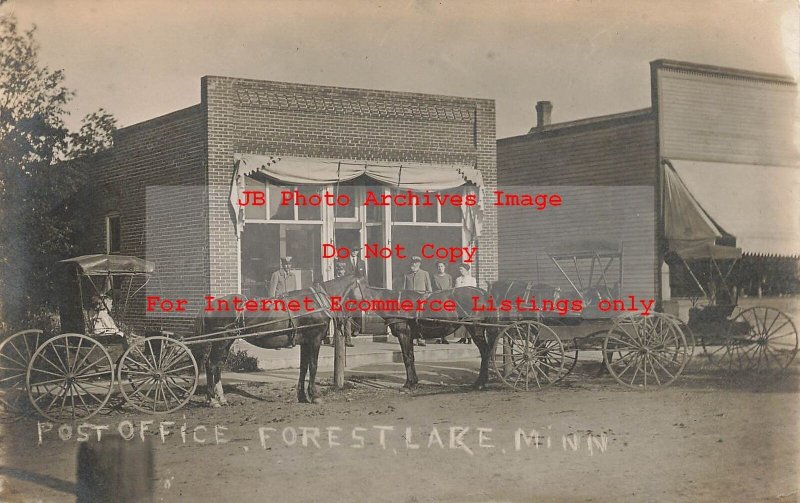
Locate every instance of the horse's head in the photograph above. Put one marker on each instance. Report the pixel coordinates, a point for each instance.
(343, 286)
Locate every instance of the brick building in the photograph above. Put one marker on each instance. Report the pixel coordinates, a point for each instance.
(713, 161)
(169, 185)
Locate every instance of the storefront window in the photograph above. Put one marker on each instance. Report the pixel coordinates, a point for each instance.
(309, 212)
(278, 211)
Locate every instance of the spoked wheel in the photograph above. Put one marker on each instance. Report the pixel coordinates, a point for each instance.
(528, 355)
(15, 354)
(651, 351)
(157, 375)
(70, 378)
(763, 339)
(570, 352)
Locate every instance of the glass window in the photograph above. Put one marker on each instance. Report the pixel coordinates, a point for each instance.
(277, 211)
(113, 234)
(373, 211)
(451, 214)
(308, 212)
(427, 213)
(348, 211)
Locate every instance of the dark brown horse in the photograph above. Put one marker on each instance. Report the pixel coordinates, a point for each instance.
(305, 328)
(407, 326)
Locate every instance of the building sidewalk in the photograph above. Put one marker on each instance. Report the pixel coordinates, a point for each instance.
(365, 352)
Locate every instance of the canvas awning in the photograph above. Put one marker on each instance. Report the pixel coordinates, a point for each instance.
(314, 171)
(758, 205)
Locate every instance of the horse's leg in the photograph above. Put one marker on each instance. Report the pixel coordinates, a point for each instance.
(478, 335)
(210, 383)
(301, 383)
(405, 336)
(314, 344)
(219, 393)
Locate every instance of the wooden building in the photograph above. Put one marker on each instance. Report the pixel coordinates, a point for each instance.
(713, 160)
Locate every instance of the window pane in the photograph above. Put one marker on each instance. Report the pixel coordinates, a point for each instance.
(309, 212)
(427, 213)
(276, 210)
(452, 213)
(374, 212)
(348, 211)
(401, 213)
(250, 211)
(114, 235)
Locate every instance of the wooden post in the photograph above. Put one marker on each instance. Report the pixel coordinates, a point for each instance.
(338, 357)
(115, 470)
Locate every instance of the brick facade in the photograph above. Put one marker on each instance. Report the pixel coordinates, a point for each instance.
(259, 117)
(191, 237)
(166, 151)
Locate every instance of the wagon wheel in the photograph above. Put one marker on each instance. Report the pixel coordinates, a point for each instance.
(15, 354)
(528, 355)
(70, 377)
(761, 339)
(652, 350)
(157, 375)
(570, 352)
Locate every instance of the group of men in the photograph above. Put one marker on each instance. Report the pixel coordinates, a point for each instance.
(284, 280)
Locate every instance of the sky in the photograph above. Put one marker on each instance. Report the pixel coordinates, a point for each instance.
(141, 59)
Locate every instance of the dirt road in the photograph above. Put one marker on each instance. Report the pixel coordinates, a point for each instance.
(708, 438)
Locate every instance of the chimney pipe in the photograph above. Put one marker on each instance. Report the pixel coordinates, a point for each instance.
(543, 111)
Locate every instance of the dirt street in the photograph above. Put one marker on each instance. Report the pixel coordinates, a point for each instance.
(707, 438)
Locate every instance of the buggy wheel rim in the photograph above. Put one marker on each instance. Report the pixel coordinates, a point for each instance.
(15, 355)
(69, 378)
(158, 375)
(652, 351)
(528, 355)
(762, 339)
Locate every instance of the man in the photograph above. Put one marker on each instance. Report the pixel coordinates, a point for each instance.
(465, 279)
(419, 280)
(283, 280)
(442, 281)
(354, 265)
(340, 269)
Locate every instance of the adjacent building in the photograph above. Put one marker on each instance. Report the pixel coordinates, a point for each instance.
(712, 162)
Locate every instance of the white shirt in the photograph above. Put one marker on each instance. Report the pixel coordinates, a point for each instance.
(466, 281)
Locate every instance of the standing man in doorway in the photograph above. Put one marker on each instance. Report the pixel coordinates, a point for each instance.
(417, 279)
(355, 265)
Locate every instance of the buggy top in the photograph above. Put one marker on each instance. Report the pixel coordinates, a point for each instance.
(104, 265)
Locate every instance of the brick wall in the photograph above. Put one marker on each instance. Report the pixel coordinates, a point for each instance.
(260, 117)
(166, 226)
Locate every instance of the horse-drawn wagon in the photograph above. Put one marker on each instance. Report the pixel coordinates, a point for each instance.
(641, 350)
(73, 375)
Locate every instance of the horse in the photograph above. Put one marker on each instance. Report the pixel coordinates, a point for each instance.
(407, 326)
(304, 328)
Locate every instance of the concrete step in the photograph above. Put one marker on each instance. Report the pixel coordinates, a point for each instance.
(365, 352)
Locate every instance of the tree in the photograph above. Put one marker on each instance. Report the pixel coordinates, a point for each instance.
(36, 184)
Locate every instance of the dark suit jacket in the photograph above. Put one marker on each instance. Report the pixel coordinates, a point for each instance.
(360, 268)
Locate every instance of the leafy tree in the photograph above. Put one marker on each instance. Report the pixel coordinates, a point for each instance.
(40, 174)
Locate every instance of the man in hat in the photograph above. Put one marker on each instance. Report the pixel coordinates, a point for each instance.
(354, 265)
(465, 278)
(283, 280)
(442, 281)
(417, 279)
(340, 269)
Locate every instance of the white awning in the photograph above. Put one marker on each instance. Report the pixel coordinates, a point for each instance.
(315, 171)
(759, 205)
